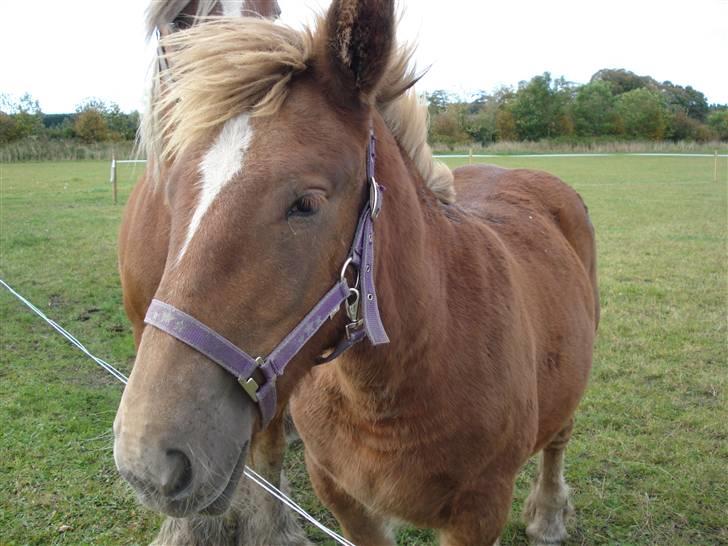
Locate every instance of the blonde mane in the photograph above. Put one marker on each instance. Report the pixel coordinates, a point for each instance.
(228, 66)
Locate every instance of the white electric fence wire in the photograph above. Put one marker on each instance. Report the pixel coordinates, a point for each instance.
(265, 484)
(115, 162)
(105, 365)
(248, 472)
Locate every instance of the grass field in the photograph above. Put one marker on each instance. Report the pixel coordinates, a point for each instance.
(649, 456)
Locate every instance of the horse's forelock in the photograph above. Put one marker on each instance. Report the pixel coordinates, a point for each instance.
(231, 66)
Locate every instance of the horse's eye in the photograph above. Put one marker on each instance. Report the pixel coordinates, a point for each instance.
(182, 22)
(306, 205)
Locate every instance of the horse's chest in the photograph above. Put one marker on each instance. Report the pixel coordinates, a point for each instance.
(397, 470)
(402, 485)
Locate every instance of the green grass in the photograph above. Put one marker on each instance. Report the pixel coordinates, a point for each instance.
(648, 460)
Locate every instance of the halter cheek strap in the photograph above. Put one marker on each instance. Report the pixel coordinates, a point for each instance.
(258, 375)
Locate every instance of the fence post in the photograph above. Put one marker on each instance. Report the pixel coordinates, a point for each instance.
(470, 156)
(113, 177)
(715, 166)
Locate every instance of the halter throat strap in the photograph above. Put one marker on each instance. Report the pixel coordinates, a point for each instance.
(258, 375)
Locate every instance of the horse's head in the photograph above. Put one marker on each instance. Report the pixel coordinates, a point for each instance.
(267, 130)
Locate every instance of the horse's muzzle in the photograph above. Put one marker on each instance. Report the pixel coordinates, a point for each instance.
(167, 480)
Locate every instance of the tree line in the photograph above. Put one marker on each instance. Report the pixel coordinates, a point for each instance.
(93, 121)
(614, 105)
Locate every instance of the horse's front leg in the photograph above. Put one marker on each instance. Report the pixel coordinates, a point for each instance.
(359, 524)
(481, 513)
(268, 448)
(262, 519)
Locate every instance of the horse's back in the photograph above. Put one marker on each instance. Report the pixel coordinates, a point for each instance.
(505, 197)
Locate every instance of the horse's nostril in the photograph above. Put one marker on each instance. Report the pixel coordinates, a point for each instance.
(177, 475)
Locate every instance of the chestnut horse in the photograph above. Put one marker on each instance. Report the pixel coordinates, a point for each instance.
(489, 303)
(254, 517)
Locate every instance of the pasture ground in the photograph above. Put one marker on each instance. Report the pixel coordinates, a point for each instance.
(648, 460)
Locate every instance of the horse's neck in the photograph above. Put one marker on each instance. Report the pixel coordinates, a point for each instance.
(413, 242)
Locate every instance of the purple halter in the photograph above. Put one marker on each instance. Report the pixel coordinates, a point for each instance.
(368, 323)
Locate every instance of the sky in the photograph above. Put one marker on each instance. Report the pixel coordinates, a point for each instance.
(65, 52)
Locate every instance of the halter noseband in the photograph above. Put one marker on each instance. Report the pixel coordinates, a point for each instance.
(258, 375)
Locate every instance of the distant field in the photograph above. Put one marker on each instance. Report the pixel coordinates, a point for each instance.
(648, 460)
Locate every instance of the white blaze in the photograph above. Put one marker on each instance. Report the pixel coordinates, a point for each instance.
(221, 163)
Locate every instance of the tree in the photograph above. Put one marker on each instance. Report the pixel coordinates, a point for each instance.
(683, 127)
(120, 126)
(7, 123)
(90, 126)
(480, 100)
(19, 119)
(92, 103)
(27, 116)
(437, 101)
(505, 124)
(482, 125)
(622, 81)
(8, 129)
(132, 125)
(6, 103)
(643, 113)
(685, 99)
(594, 109)
(538, 107)
(59, 126)
(531, 108)
(480, 118)
(718, 121)
(447, 127)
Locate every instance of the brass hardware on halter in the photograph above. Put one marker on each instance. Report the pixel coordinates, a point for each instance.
(352, 311)
(353, 327)
(249, 384)
(352, 308)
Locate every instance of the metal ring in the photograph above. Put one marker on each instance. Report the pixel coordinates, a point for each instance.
(353, 292)
(349, 261)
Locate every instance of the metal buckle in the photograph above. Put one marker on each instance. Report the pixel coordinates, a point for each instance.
(352, 309)
(249, 384)
(352, 328)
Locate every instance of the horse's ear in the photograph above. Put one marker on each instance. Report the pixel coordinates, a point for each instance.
(358, 42)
